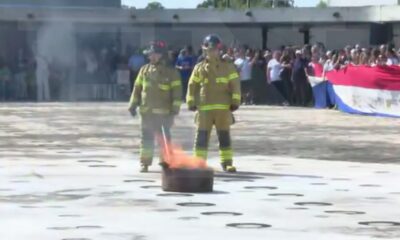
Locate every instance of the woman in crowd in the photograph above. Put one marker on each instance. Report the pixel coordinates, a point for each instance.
(392, 59)
(229, 56)
(364, 59)
(286, 75)
(5, 80)
(258, 78)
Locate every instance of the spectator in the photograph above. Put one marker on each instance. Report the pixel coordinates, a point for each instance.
(374, 57)
(382, 60)
(267, 56)
(307, 52)
(244, 66)
(200, 55)
(347, 55)
(42, 78)
(5, 80)
(299, 79)
(286, 75)
(329, 64)
(30, 77)
(20, 77)
(172, 57)
(392, 59)
(229, 56)
(364, 59)
(136, 61)
(258, 78)
(383, 48)
(191, 54)
(355, 57)
(185, 65)
(274, 69)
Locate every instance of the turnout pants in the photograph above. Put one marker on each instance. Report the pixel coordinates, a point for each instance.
(222, 120)
(151, 128)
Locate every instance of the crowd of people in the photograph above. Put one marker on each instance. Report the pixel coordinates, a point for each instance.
(37, 77)
(287, 69)
(267, 76)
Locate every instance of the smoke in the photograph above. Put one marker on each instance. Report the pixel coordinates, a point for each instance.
(56, 42)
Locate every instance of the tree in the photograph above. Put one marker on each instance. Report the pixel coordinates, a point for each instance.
(322, 4)
(154, 6)
(241, 4)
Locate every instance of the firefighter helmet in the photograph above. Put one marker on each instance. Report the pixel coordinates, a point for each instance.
(212, 41)
(156, 47)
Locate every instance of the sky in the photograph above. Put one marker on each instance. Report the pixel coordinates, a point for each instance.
(193, 3)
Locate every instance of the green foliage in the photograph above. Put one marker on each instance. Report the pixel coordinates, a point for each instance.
(322, 4)
(154, 6)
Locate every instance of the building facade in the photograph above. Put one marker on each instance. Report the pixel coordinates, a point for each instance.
(358, 3)
(74, 35)
(62, 3)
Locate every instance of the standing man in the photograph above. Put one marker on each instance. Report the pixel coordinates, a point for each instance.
(214, 92)
(274, 70)
(244, 66)
(185, 66)
(42, 78)
(136, 61)
(158, 94)
(299, 79)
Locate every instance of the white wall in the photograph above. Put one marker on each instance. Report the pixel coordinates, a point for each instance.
(345, 3)
(338, 36)
(279, 36)
(231, 36)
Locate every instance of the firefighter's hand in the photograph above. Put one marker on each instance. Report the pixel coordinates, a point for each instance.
(193, 108)
(133, 111)
(234, 107)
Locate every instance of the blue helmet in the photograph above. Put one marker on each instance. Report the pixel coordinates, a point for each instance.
(212, 41)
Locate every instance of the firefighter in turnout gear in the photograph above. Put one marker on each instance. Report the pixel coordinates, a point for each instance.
(214, 92)
(157, 93)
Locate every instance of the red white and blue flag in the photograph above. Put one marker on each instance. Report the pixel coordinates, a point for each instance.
(366, 90)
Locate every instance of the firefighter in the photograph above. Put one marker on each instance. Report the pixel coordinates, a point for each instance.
(157, 93)
(214, 93)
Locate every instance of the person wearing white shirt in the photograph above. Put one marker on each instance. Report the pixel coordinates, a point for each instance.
(392, 59)
(42, 78)
(274, 70)
(244, 66)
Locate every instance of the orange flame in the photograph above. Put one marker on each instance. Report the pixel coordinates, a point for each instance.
(175, 157)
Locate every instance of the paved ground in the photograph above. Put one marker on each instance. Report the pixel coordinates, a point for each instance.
(69, 171)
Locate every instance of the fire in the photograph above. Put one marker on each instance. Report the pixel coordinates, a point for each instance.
(175, 157)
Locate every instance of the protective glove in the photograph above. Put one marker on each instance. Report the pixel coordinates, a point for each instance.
(193, 108)
(234, 107)
(133, 111)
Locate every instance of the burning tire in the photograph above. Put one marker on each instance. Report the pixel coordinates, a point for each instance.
(188, 180)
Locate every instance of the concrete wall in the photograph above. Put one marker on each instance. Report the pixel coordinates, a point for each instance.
(334, 36)
(337, 36)
(396, 34)
(232, 35)
(206, 16)
(278, 36)
(63, 3)
(341, 3)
